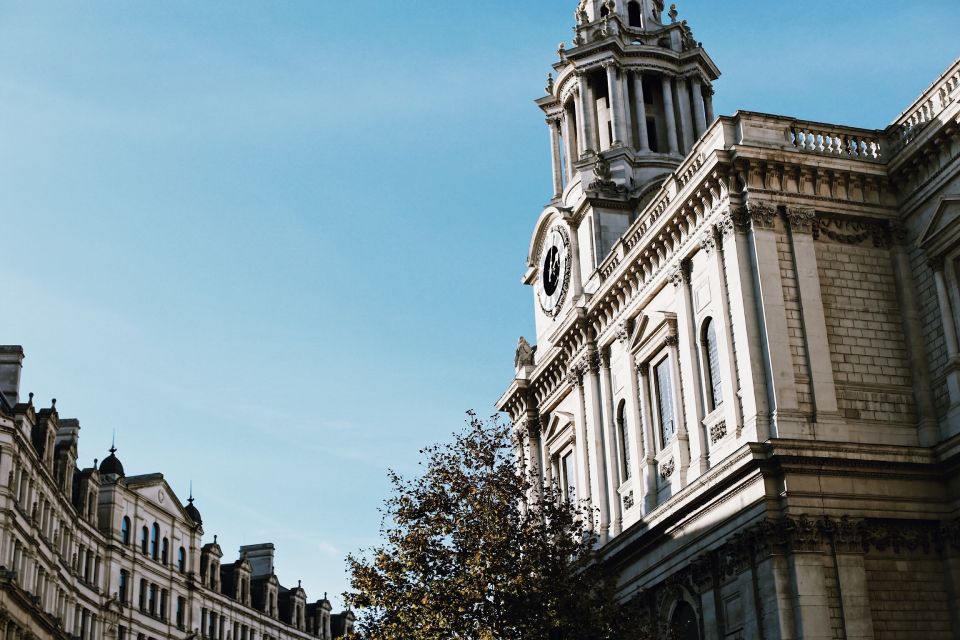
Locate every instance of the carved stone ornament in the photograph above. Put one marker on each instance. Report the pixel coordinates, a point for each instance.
(801, 219)
(671, 341)
(623, 331)
(562, 51)
(852, 232)
(575, 373)
(550, 84)
(643, 369)
(603, 177)
(718, 431)
(936, 263)
(524, 356)
(760, 214)
(628, 501)
(593, 361)
(667, 468)
(708, 241)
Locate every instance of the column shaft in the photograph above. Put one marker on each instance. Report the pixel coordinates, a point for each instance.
(579, 110)
(616, 106)
(595, 449)
(690, 360)
(686, 114)
(612, 443)
(641, 103)
(668, 113)
(699, 114)
(570, 140)
(649, 444)
(555, 157)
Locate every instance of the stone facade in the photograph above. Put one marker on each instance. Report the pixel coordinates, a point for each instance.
(94, 553)
(751, 374)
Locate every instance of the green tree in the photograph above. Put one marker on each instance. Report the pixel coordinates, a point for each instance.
(466, 554)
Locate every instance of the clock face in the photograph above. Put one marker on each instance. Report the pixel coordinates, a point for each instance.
(554, 270)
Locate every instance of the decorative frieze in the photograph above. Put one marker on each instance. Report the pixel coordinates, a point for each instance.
(852, 232)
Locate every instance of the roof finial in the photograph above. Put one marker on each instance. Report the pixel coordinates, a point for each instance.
(190, 499)
(214, 538)
(299, 582)
(113, 441)
(673, 13)
(53, 403)
(30, 401)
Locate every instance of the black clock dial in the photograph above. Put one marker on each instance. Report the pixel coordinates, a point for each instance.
(551, 270)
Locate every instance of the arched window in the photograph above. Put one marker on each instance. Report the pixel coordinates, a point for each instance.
(144, 540)
(181, 560)
(711, 362)
(154, 541)
(125, 531)
(634, 14)
(165, 551)
(623, 433)
(664, 387)
(683, 622)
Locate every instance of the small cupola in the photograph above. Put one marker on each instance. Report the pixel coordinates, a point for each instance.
(111, 468)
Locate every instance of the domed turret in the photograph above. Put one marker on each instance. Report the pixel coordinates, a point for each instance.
(192, 511)
(111, 465)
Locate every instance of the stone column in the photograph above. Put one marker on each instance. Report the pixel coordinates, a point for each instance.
(596, 445)
(641, 111)
(708, 95)
(576, 274)
(949, 330)
(689, 360)
(616, 105)
(928, 429)
(579, 112)
(583, 461)
(699, 113)
(637, 450)
(649, 466)
(570, 140)
(681, 439)
(546, 466)
(612, 443)
(589, 110)
(746, 326)
(671, 123)
(623, 86)
(801, 221)
(535, 457)
(554, 124)
(686, 114)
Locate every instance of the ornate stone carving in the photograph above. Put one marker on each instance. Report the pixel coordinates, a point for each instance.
(718, 431)
(575, 375)
(592, 361)
(708, 241)
(643, 369)
(681, 273)
(760, 214)
(936, 263)
(623, 331)
(603, 177)
(671, 341)
(852, 232)
(899, 234)
(628, 500)
(549, 87)
(667, 468)
(524, 356)
(801, 219)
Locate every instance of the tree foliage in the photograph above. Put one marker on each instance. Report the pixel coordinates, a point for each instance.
(470, 552)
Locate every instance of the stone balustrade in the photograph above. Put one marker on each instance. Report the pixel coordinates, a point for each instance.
(842, 142)
(928, 106)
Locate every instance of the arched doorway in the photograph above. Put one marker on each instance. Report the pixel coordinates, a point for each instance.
(683, 622)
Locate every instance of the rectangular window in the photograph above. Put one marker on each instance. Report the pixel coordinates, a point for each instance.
(143, 595)
(163, 604)
(122, 586)
(569, 477)
(121, 633)
(664, 385)
(152, 603)
(181, 605)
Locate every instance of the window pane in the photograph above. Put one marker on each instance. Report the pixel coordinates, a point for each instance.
(624, 440)
(713, 365)
(570, 477)
(665, 400)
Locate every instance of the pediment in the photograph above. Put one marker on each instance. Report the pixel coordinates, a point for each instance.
(943, 230)
(157, 492)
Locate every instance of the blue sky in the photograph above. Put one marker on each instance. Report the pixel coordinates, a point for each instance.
(277, 246)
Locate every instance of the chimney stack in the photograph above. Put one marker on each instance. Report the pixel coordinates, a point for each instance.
(11, 362)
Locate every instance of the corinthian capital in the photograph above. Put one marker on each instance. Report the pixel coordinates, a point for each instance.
(801, 219)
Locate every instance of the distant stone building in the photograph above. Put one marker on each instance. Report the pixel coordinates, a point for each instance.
(94, 553)
(747, 355)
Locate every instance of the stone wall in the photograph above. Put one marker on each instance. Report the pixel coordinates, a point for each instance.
(908, 596)
(936, 350)
(865, 332)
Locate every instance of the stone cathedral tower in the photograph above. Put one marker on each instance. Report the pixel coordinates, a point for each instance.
(629, 101)
(747, 359)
